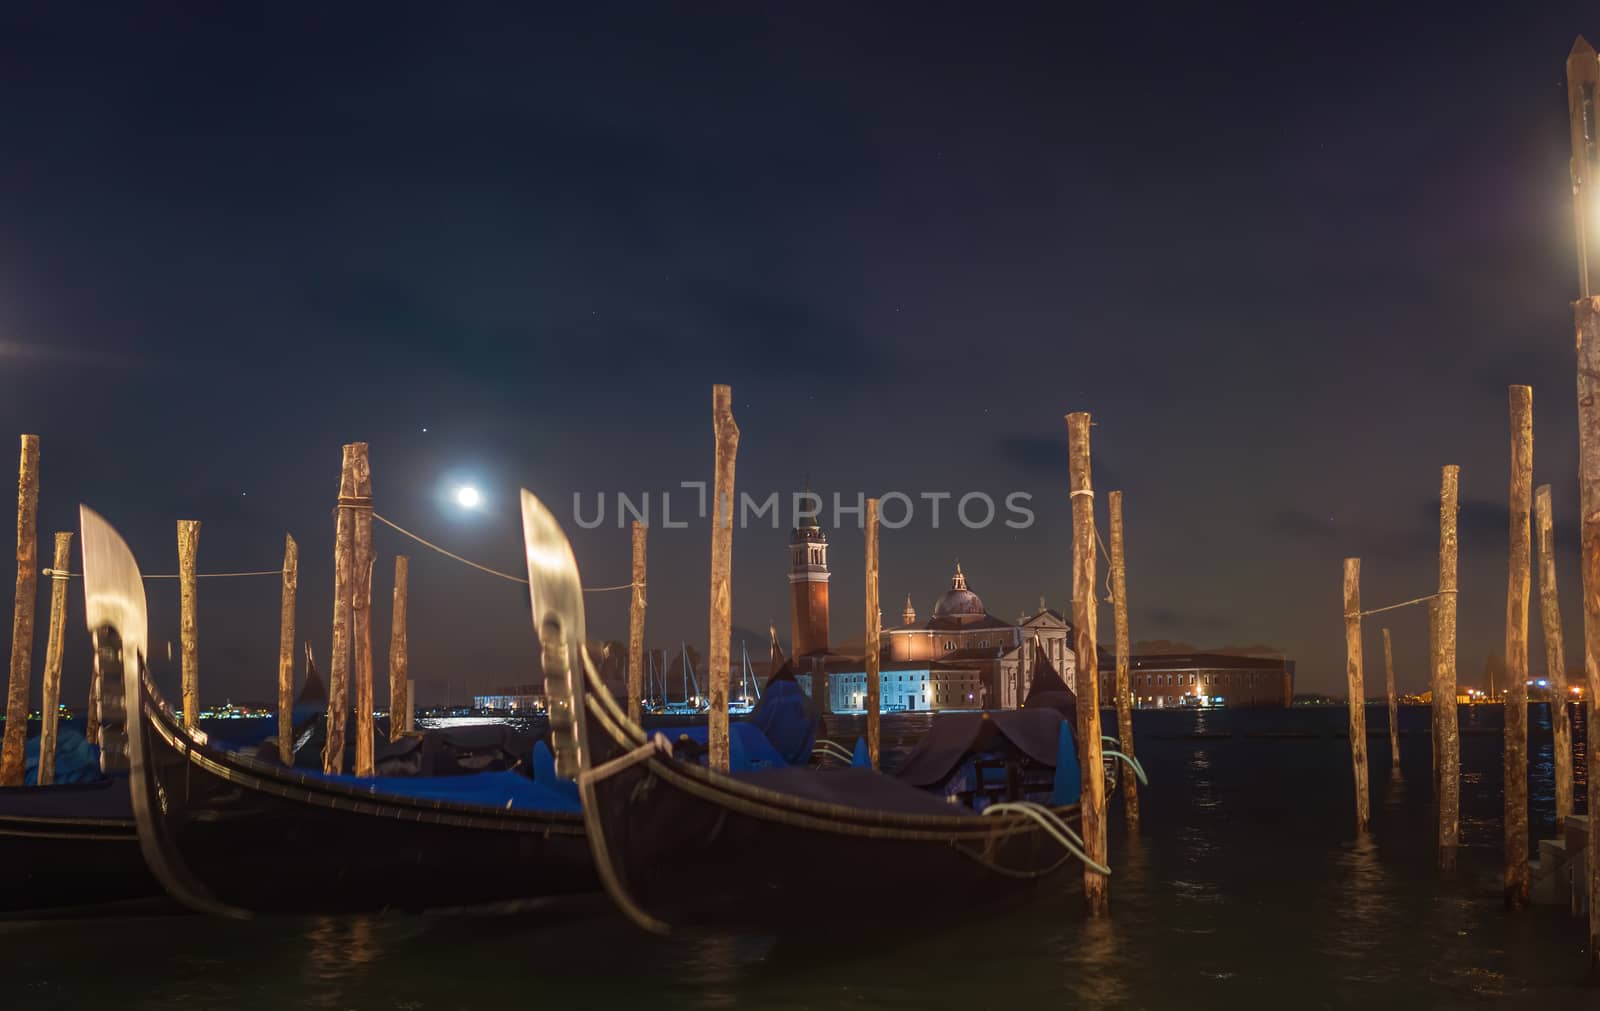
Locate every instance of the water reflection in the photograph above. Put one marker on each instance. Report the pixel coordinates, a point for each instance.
(339, 953)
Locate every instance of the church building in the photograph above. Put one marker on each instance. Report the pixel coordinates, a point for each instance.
(962, 657)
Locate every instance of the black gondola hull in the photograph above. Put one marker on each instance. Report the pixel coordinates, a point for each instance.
(228, 834)
(69, 846)
(680, 853)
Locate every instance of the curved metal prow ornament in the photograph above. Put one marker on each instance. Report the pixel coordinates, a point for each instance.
(114, 604)
(556, 598)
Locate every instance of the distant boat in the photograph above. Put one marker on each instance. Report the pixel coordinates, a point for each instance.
(689, 705)
(744, 704)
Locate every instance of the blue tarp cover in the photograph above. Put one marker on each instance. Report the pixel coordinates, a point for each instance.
(784, 716)
(77, 761)
(748, 747)
(503, 790)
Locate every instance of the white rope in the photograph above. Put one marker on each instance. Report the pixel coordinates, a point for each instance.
(1081, 491)
(482, 568)
(1403, 603)
(1051, 823)
(832, 750)
(64, 574)
(1133, 763)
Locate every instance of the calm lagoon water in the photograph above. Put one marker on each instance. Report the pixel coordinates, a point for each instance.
(1246, 888)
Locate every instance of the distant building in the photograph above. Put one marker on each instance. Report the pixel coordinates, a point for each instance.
(528, 697)
(808, 588)
(962, 657)
(1171, 680)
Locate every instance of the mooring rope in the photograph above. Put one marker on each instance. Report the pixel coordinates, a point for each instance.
(1403, 603)
(52, 573)
(1051, 823)
(357, 504)
(481, 568)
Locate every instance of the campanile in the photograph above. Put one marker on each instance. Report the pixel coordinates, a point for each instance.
(808, 587)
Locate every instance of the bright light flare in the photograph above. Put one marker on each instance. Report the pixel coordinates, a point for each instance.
(467, 497)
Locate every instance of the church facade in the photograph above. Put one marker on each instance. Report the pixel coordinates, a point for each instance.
(961, 657)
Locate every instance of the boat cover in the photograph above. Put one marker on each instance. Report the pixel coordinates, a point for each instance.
(77, 761)
(456, 751)
(860, 788)
(501, 790)
(955, 737)
(748, 747)
(107, 798)
(785, 716)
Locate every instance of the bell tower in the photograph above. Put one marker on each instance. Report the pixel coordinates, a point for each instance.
(808, 587)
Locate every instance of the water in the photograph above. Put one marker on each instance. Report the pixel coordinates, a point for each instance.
(1245, 887)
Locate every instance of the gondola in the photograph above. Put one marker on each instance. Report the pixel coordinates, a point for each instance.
(235, 834)
(73, 845)
(678, 844)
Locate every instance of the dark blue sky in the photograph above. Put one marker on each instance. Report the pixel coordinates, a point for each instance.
(1290, 262)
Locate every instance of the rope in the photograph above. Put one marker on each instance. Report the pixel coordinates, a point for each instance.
(481, 568)
(64, 574)
(1133, 763)
(1403, 603)
(1051, 823)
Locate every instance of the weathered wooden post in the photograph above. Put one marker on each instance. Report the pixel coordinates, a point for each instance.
(189, 619)
(1444, 673)
(1086, 619)
(16, 735)
(50, 705)
(1583, 81)
(399, 653)
(1587, 319)
(871, 637)
(1516, 708)
(1433, 665)
(636, 608)
(361, 632)
(291, 585)
(1555, 654)
(1119, 611)
(726, 432)
(1394, 704)
(352, 480)
(1355, 686)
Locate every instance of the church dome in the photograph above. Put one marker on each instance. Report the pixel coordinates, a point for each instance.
(958, 602)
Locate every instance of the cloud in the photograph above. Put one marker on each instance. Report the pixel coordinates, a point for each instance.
(1298, 524)
(1046, 456)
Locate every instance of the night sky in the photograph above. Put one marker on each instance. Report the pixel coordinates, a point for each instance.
(1290, 263)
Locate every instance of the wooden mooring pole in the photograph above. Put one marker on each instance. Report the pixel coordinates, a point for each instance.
(1355, 686)
(1555, 654)
(874, 677)
(1086, 618)
(636, 609)
(50, 704)
(352, 475)
(1434, 734)
(1586, 312)
(1394, 704)
(189, 619)
(1447, 728)
(399, 653)
(1516, 707)
(726, 431)
(16, 734)
(1119, 612)
(361, 614)
(291, 585)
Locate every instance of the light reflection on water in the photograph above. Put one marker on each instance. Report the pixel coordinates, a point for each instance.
(1246, 887)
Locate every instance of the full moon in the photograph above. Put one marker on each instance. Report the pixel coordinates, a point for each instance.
(467, 497)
